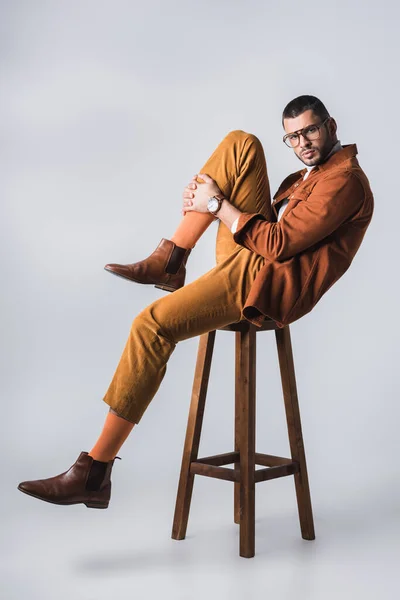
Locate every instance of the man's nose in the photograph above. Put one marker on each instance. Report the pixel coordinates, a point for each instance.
(304, 142)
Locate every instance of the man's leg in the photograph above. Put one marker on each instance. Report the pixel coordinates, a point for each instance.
(239, 169)
(114, 433)
(213, 300)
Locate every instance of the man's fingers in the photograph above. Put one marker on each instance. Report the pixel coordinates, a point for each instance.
(187, 192)
(206, 177)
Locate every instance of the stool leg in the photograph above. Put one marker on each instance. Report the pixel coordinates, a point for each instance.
(289, 387)
(236, 465)
(193, 432)
(245, 429)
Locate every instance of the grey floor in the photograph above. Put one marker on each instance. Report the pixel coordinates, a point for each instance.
(126, 551)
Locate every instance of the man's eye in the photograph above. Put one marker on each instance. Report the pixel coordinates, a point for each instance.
(293, 136)
(311, 130)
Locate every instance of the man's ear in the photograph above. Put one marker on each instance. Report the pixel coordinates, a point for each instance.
(332, 126)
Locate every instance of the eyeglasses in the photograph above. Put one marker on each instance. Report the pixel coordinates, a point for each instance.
(311, 132)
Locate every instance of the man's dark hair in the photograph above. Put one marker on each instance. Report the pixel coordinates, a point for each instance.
(302, 103)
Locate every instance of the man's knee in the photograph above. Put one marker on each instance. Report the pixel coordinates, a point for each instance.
(238, 135)
(145, 319)
(152, 321)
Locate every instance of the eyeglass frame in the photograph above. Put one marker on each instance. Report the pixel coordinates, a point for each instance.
(299, 132)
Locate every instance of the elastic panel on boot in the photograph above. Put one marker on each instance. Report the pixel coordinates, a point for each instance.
(176, 259)
(96, 475)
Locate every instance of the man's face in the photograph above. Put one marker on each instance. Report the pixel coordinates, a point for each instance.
(312, 152)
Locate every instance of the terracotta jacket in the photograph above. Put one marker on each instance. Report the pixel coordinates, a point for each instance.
(314, 242)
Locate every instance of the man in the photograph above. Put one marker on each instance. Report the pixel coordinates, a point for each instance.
(274, 260)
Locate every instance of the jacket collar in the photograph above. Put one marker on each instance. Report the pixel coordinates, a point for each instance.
(347, 151)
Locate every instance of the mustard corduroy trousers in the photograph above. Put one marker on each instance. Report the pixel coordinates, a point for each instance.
(213, 300)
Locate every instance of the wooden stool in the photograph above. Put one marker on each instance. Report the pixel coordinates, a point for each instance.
(244, 474)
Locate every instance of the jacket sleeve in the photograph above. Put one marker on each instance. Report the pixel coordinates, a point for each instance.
(335, 199)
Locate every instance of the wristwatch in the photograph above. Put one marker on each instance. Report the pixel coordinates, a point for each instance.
(215, 203)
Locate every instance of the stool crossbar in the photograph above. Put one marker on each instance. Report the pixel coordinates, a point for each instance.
(244, 475)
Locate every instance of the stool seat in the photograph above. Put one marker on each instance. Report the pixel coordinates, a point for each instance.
(244, 457)
(266, 325)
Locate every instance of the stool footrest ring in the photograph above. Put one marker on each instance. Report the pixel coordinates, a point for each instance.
(277, 466)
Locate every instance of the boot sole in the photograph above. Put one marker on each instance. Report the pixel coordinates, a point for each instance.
(89, 504)
(160, 286)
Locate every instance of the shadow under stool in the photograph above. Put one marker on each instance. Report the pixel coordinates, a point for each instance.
(244, 458)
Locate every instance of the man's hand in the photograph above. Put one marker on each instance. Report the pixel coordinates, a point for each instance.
(196, 195)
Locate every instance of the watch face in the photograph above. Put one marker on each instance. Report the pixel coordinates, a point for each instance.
(212, 204)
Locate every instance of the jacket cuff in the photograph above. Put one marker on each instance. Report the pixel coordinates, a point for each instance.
(242, 223)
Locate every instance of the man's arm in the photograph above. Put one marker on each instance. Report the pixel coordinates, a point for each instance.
(334, 200)
(228, 214)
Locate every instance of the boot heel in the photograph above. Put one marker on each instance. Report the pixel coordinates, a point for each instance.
(96, 504)
(166, 288)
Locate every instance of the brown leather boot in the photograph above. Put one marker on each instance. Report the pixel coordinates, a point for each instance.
(88, 481)
(165, 267)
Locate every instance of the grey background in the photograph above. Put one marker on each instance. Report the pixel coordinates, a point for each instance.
(107, 110)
